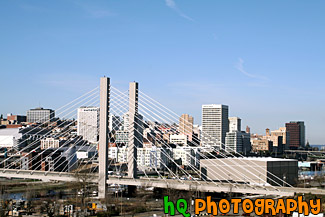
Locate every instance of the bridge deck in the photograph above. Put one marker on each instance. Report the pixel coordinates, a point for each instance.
(167, 183)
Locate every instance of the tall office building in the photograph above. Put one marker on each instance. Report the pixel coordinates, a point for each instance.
(215, 125)
(248, 129)
(88, 123)
(282, 131)
(234, 124)
(296, 131)
(125, 123)
(114, 123)
(302, 131)
(276, 137)
(186, 125)
(238, 141)
(40, 115)
(122, 135)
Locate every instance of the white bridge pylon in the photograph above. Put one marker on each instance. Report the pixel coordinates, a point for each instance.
(103, 136)
(104, 133)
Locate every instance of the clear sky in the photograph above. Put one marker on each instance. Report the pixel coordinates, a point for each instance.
(265, 59)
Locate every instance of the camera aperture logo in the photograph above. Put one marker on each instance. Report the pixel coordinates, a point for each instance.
(258, 206)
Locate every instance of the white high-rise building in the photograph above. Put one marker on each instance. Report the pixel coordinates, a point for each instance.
(126, 121)
(190, 156)
(237, 140)
(234, 142)
(234, 124)
(88, 123)
(114, 123)
(215, 125)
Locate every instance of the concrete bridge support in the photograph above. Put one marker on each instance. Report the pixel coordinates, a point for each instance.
(133, 142)
(103, 136)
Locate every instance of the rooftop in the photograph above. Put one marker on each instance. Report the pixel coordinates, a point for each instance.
(214, 106)
(40, 108)
(10, 132)
(268, 159)
(256, 159)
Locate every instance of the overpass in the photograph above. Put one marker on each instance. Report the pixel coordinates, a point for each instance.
(188, 185)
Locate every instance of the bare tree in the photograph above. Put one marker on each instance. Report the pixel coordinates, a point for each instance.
(4, 206)
(83, 180)
(48, 207)
(29, 195)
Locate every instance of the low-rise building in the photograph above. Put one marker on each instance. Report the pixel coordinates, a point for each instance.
(262, 145)
(178, 139)
(86, 152)
(9, 138)
(50, 143)
(40, 115)
(121, 137)
(16, 119)
(259, 171)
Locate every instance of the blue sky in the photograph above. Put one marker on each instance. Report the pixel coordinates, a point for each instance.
(265, 59)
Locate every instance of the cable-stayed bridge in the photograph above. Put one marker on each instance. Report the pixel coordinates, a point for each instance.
(34, 158)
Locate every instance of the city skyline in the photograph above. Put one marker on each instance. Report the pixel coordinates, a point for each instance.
(53, 53)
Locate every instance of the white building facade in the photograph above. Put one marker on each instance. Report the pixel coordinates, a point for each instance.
(215, 125)
(178, 139)
(88, 123)
(50, 143)
(238, 141)
(114, 123)
(234, 124)
(151, 158)
(40, 115)
(9, 137)
(190, 156)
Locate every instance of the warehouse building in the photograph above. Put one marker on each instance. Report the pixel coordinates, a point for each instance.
(257, 171)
